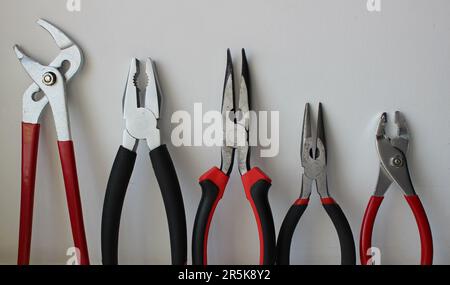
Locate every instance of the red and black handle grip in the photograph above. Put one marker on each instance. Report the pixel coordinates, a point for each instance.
(287, 230)
(256, 185)
(115, 196)
(340, 222)
(426, 239)
(213, 184)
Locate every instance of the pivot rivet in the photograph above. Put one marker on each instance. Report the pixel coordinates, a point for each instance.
(49, 78)
(397, 161)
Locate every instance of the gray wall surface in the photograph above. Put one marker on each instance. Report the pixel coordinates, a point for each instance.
(358, 63)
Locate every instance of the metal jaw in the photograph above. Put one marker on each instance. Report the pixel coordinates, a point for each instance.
(236, 121)
(141, 120)
(313, 156)
(51, 81)
(392, 153)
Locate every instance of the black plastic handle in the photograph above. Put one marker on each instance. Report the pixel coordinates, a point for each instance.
(173, 201)
(112, 206)
(260, 201)
(348, 252)
(340, 222)
(287, 231)
(205, 211)
(213, 184)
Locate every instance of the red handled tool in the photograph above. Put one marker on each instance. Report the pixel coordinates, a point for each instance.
(256, 183)
(314, 161)
(52, 82)
(394, 169)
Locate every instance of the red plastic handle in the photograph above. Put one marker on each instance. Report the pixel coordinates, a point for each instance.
(220, 179)
(30, 142)
(365, 242)
(426, 239)
(266, 231)
(67, 156)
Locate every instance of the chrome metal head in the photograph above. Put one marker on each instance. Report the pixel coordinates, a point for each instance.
(141, 117)
(313, 154)
(228, 117)
(69, 54)
(392, 154)
(69, 51)
(313, 149)
(131, 100)
(401, 141)
(236, 120)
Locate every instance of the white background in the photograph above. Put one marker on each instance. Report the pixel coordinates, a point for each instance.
(357, 63)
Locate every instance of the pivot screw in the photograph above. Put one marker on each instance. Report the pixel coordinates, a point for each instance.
(397, 161)
(49, 78)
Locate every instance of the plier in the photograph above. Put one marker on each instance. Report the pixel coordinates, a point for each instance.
(141, 123)
(313, 154)
(213, 182)
(394, 170)
(52, 82)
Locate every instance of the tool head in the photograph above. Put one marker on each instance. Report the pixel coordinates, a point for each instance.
(401, 141)
(392, 154)
(141, 117)
(313, 155)
(228, 117)
(236, 119)
(69, 53)
(313, 150)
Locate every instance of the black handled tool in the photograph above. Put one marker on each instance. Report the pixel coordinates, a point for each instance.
(141, 123)
(314, 162)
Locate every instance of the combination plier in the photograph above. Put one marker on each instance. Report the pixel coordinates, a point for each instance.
(142, 124)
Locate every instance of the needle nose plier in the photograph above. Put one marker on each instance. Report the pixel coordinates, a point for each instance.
(314, 161)
(394, 169)
(52, 82)
(213, 182)
(142, 124)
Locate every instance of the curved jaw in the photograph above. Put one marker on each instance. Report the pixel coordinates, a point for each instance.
(70, 53)
(392, 154)
(401, 141)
